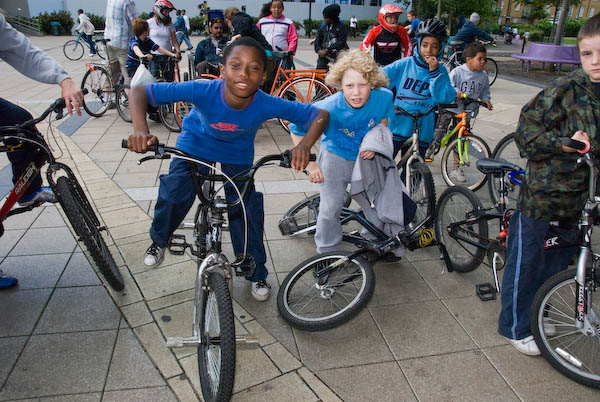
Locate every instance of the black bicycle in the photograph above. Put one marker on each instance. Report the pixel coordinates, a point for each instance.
(68, 191)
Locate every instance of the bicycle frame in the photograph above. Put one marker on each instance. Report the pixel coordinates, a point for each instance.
(463, 128)
(283, 77)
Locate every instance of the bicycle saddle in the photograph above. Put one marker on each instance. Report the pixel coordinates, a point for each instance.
(487, 166)
(103, 40)
(281, 55)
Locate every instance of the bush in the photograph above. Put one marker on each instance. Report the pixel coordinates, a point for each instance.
(573, 26)
(545, 26)
(63, 17)
(312, 26)
(96, 20)
(536, 35)
(197, 23)
(145, 16)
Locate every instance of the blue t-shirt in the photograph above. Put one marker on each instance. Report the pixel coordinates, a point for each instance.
(215, 131)
(347, 125)
(146, 46)
(414, 24)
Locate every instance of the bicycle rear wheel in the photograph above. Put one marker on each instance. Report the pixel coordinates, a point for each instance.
(101, 50)
(181, 110)
(569, 350)
(314, 297)
(507, 151)
(167, 116)
(301, 218)
(216, 353)
(422, 192)
(85, 225)
(73, 49)
(122, 98)
(491, 69)
(473, 149)
(458, 204)
(303, 90)
(100, 89)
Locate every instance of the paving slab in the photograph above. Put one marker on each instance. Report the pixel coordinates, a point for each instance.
(36, 271)
(36, 241)
(79, 272)
(287, 387)
(26, 306)
(160, 394)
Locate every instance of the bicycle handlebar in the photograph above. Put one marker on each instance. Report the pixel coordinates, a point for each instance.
(417, 115)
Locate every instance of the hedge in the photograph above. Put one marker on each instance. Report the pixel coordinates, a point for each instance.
(96, 20)
(63, 17)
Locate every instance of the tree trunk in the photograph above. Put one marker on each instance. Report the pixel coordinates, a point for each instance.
(560, 29)
(439, 10)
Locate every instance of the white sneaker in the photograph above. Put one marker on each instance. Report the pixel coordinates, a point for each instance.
(92, 54)
(260, 290)
(458, 174)
(154, 255)
(526, 346)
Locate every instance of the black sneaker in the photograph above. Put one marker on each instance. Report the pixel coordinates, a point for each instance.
(154, 255)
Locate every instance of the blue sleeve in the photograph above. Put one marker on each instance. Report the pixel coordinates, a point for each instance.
(196, 92)
(394, 72)
(441, 87)
(154, 46)
(300, 114)
(389, 108)
(482, 34)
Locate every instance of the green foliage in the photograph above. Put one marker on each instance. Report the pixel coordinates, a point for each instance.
(545, 26)
(63, 17)
(197, 23)
(311, 26)
(573, 26)
(97, 21)
(145, 16)
(298, 25)
(453, 9)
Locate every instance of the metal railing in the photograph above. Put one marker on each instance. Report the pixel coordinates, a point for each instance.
(29, 23)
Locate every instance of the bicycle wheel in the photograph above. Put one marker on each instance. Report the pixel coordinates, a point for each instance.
(167, 116)
(422, 192)
(181, 110)
(216, 353)
(303, 90)
(86, 227)
(473, 149)
(571, 351)
(491, 69)
(507, 151)
(457, 204)
(314, 298)
(100, 90)
(73, 49)
(101, 50)
(122, 98)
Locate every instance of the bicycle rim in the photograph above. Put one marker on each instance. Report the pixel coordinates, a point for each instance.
(422, 192)
(73, 50)
(491, 69)
(506, 151)
(101, 51)
(472, 149)
(167, 116)
(569, 350)
(123, 103)
(216, 353)
(302, 217)
(100, 90)
(303, 90)
(182, 109)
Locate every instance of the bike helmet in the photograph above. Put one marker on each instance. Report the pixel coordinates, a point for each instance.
(388, 9)
(432, 27)
(161, 5)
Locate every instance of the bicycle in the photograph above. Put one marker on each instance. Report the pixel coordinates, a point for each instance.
(213, 329)
(466, 149)
(455, 59)
(566, 300)
(102, 82)
(507, 151)
(67, 189)
(75, 48)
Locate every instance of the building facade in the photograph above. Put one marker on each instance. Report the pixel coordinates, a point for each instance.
(518, 12)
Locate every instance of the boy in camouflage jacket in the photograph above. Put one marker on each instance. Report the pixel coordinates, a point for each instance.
(555, 185)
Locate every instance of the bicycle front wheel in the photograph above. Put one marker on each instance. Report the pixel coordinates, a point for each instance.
(86, 227)
(571, 351)
(303, 90)
(491, 69)
(73, 49)
(168, 118)
(301, 218)
(216, 353)
(316, 296)
(464, 246)
(507, 151)
(422, 192)
(100, 90)
(122, 98)
(182, 109)
(455, 173)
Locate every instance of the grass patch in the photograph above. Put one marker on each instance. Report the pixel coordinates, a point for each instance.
(569, 41)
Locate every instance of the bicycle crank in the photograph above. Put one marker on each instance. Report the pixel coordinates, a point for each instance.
(182, 342)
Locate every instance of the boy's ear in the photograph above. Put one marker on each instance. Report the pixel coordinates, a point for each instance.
(221, 68)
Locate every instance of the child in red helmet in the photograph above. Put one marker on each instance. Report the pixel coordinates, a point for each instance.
(390, 39)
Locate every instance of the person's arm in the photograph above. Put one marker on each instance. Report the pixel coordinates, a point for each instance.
(166, 52)
(138, 52)
(403, 39)
(480, 33)
(369, 39)
(175, 43)
(441, 88)
(301, 151)
(341, 38)
(130, 11)
(141, 137)
(318, 40)
(199, 56)
(80, 27)
(292, 38)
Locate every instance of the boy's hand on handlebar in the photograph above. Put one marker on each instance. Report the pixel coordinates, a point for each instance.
(300, 157)
(148, 56)
(488, 104)
(367, 154)
(73, 96)
(459, 95)
(139, 142)
(579, 136)
(315, 174)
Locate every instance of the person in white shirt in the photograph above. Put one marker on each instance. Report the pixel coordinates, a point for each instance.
(86, 29)
(162, 32)
(353, 25)
(187, 21)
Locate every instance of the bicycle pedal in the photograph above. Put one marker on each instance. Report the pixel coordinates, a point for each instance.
(180, 342)
(244, 266)
(247, 341)
(288, 225)
(485, 291)
(177, 244)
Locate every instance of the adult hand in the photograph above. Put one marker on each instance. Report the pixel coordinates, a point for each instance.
(315, 174)
(140, 142)
(367, 154)
(72, 94)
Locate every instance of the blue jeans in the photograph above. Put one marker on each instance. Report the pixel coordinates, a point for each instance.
(176, 195)
(10, 115)
(527, 268)
(183, 36)
(90, 42)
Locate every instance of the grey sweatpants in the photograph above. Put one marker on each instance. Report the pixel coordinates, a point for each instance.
(337, 173)
(116, 53)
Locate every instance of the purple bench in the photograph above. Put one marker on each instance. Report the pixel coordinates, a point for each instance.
(549, 53)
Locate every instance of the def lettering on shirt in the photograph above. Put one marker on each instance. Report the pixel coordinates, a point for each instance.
(416, 86)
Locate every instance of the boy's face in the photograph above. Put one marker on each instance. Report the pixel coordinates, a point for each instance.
(276, 9)
(243, 72)
(476, 63)
(392, 19)
(216, 30)
(356, 88)
(430, 47)
(327, 20)
(410, 17)
(589, 53)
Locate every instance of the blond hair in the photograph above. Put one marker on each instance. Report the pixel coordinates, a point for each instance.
(360, 61)
(231, 12)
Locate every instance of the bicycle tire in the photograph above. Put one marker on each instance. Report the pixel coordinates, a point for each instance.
(73, 49)
(477, 149)
(122, 98)
(167, 116)
(182, 109)
(565, 349)
(86, 227)
(100, 88)
(303, 282)
(303, 90)
(464, 257)
(217, 331)
(507, 151)
(101, 51)
(422, 192)
(491, 69)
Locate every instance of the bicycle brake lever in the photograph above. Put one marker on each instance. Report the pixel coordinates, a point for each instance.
(157, 156)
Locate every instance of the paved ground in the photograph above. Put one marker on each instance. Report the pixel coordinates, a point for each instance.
(64, 336)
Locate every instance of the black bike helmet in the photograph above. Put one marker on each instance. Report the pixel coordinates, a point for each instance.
(432, 27)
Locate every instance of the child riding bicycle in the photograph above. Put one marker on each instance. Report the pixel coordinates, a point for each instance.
(141, 45)
(555, 186)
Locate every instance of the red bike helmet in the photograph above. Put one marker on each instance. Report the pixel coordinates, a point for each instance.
(161, 5)
(388, 9)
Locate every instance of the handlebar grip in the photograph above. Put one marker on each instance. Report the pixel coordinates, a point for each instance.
(581, 146)
(151, 148)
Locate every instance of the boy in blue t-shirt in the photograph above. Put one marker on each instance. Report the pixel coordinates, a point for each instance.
(221, 127)
(361, 104)
(141, 45)
(420, 82)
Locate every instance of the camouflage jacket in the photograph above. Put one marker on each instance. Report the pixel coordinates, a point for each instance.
(555, 185)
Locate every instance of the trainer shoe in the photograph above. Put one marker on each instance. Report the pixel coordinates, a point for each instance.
(7, 281)
(92, 54)
(154, 255)
(526, 346)
(43, 194)
(260, 290)
(458, 174)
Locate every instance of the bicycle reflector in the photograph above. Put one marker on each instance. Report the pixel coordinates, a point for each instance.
(89, 66)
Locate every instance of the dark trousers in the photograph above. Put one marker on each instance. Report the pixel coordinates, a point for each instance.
(10, 115)
(204, 67)
(90, 42)
(527, 268)
(175, 198)
(322, 63)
